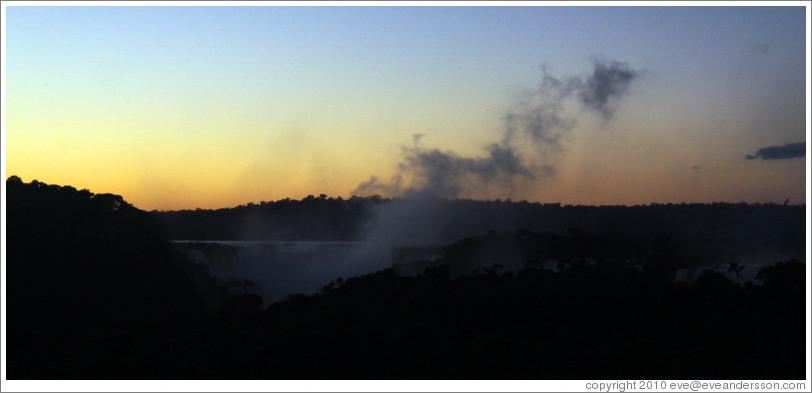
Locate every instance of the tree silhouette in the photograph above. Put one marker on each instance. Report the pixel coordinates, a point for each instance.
(735, 267)
(95, 292)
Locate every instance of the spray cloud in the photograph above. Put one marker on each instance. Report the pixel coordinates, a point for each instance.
(531, 134)
(530, 140)
(607, 83)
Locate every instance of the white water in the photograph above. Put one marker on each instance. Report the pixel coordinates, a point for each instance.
(275, 269)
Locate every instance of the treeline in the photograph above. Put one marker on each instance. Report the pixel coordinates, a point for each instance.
(513, 250)
(95, 292)
(702, 232)
(586, 322)
(93, 289)
(311, 218)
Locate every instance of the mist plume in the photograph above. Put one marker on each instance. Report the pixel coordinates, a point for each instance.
(531, 139)
(530, 135)
(606, 85)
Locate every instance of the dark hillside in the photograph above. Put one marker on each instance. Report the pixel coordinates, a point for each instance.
(96, 292)
(311, 218)
(588, 322)
(93, 290)
(697, 234)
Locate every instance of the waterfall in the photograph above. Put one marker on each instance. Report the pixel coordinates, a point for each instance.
(277, 269)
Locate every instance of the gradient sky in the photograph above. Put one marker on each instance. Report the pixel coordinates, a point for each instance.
(185, 107)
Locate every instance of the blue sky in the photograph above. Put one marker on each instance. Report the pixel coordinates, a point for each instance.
(180, 107)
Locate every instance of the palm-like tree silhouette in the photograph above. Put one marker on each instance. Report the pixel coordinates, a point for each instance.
(735, 267)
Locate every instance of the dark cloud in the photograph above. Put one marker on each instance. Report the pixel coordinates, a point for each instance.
(790, 150)
(531, 132)
(606, 85)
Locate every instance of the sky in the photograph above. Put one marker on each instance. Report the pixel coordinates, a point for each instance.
(180, 107)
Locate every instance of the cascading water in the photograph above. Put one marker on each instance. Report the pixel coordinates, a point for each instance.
(277, 269)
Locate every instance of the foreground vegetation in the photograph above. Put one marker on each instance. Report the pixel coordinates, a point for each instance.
(95, 292)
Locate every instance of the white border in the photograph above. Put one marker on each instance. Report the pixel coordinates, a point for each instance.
(3, 192)
(808, 197)
(508, 3)
(359, 386)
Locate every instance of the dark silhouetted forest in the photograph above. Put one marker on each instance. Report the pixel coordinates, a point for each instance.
(587, 322)
(95, 291)
(312, 218)
(692, 234)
